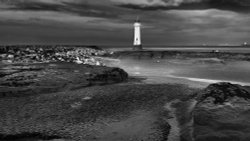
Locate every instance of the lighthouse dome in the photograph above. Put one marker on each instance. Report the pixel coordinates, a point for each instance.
(137, 24)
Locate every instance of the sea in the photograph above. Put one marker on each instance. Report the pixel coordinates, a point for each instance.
(197, 49)
(188, 71)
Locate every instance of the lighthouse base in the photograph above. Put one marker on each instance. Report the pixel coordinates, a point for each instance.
(137, 47)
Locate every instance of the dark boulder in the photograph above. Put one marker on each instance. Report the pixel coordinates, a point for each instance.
(24, 80)
(221, 92)
(222, 113)
(113, 75)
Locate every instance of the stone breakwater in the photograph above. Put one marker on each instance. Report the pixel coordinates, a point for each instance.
(42, 54)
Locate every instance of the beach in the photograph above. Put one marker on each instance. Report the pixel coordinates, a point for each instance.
(149, 98)
(115, 112)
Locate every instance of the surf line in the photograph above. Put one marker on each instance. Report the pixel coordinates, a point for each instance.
(208, 80)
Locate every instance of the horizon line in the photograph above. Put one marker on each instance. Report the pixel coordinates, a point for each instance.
(129, 46)
(126, 45)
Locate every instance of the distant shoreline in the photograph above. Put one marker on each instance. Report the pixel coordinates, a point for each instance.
(178, 46)
(183, 49)
(130, 46)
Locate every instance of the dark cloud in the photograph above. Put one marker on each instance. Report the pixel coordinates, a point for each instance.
(103, 21)
(86, 9)
(36, 6)
(232, 5)
(82, 8)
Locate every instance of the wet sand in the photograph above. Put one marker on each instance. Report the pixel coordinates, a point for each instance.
(113, 112)
(174, 134)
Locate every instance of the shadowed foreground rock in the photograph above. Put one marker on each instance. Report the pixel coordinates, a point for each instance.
(21, 80)
(222, 113)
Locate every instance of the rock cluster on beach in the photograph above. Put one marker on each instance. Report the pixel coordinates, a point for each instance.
(31, 70)
(222, 113)
(21, 80)
(220, 93)
(42, 54)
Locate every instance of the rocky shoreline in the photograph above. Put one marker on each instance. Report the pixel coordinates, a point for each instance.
(46, 54)
(31, 70)
(21, 80)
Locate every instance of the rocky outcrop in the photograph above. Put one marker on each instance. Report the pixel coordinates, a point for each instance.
(32, 69)
(220, 93)
(109, 76)
(20, 80)
(41, 54)
(222, 113)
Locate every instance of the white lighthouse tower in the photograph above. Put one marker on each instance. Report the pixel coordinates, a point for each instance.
(137, 35)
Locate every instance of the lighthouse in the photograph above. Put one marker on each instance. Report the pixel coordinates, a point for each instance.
(137, 35)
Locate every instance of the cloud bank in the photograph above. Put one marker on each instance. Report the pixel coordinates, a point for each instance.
(231, 5)
(111, 21)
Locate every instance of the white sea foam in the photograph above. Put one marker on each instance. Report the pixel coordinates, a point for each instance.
(209, 81)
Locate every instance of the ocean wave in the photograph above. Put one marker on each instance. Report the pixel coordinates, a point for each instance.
(209, 81)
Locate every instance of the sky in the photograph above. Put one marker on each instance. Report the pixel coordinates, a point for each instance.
(110, 22)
